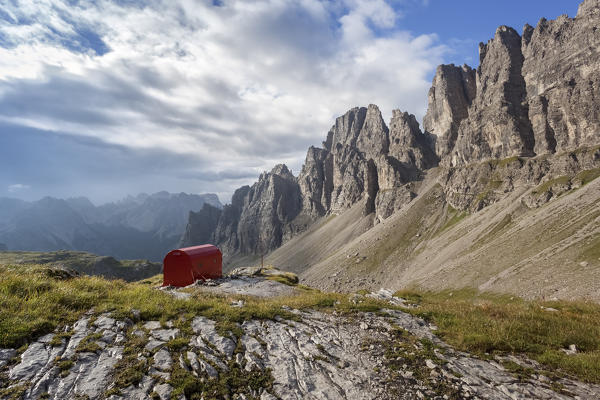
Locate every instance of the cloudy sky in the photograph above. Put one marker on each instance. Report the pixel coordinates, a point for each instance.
(114, 97)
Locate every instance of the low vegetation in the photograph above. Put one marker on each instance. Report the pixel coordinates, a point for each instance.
(503, 163)
(585, 177)
(581, 179)
(454, 217)
(35, 300)
(488, 325)
(546, 186)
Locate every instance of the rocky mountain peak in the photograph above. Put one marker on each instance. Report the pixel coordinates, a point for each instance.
(497, 125)
(283, 171)
(346, 129)
(373, 135)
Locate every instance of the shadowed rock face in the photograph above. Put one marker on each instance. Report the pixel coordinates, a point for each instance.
(271, 203)
(256, 219)
(316, 181)
(226, 234)
(201, 226)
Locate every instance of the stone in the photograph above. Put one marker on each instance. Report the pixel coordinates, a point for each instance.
(206, 329)
(562, 83)
(208, 369)
(32, 361)
(163, 391)
(138, 392)
(6, 355)
(412, 148)
(498, 124)
(153, 344)
(294, 352)
(571, 350)
(104, 322)
(93, 381)
(165, 334)
(163, 360)
(152, 325)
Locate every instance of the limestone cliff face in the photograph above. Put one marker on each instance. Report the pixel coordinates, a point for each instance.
(562, 75)
(532, 94)
(497, 125)
(226, 232)
(450, 96)
(316, 182)
(257, 220)
(363, 157)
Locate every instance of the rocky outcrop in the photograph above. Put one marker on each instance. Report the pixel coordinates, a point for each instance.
(410, 146)
(259, 216)
(357, 136)
(478, 185)
(316, 182)
(313, 355)
(366, 157)
(226, 234)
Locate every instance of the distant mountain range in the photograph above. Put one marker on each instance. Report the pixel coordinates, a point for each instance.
(144, 226)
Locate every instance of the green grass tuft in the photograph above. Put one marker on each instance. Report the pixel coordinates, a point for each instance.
(585, 177)
(546, 186)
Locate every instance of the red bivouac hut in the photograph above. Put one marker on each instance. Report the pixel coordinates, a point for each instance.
(185, 266)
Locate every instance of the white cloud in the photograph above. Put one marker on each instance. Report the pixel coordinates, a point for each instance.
(17, 187)
(241, 86)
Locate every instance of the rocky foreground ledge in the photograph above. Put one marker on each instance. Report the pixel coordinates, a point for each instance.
(385, 354)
